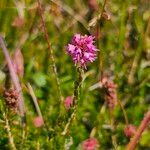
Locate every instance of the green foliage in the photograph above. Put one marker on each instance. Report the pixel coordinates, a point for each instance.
(124, 53)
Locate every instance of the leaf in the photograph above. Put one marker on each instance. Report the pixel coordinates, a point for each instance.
(39, 79)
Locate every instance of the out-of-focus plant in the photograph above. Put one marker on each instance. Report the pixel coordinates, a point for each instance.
(37, 76)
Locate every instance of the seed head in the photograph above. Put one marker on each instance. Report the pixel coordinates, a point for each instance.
(111, 92)
(11, 98)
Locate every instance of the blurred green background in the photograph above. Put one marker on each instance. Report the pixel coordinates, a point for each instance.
(124, 44)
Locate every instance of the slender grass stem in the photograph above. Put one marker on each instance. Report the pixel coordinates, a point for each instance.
(98, 34)
(113, 127)
(31, 92)
(124, 112)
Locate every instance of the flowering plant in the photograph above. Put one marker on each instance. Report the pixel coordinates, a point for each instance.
(82, 49)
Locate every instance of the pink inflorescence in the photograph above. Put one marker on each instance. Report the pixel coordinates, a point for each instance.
(90, 144)
(38, 122)
(82, 49)
(129, 130)
(68, 102)
(111, 91)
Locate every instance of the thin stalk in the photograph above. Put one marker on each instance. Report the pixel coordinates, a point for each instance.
(77, 87)
(38, 146)
(15, 79)
(31, 92)
(99, 118)
(7, 127)
(124, 112)
(144, 124)
(98, 34)
(112, 123)
(96, 22)
(50, 52)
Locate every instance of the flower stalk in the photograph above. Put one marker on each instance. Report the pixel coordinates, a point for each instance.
(76, 96)
(82, 51)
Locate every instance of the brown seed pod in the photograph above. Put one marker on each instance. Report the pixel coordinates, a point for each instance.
(11, 98)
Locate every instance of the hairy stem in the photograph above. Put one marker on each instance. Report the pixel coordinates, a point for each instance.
(144, 123)
(7, 127)
(77, 86)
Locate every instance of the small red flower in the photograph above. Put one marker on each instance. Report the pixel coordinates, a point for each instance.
(38, 122)
(129, 130)
(68, 102)
(90, 144)
(18, 22)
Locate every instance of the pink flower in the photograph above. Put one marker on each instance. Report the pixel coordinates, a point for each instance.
(68, 102)
(38, 122)
(18, 62)
(82, 49)
(111, 91)
(18, 22)
(129, 130)
(90, 144)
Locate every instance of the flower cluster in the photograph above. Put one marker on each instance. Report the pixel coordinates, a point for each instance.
(90, 144)
(111, 92)
(82, 49)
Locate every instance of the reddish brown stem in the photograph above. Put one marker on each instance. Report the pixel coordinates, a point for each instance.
(98, 37)
(14, 78)
(132, 144)
(50, 52)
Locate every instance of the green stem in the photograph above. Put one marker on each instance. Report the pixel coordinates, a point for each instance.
(77, 87)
